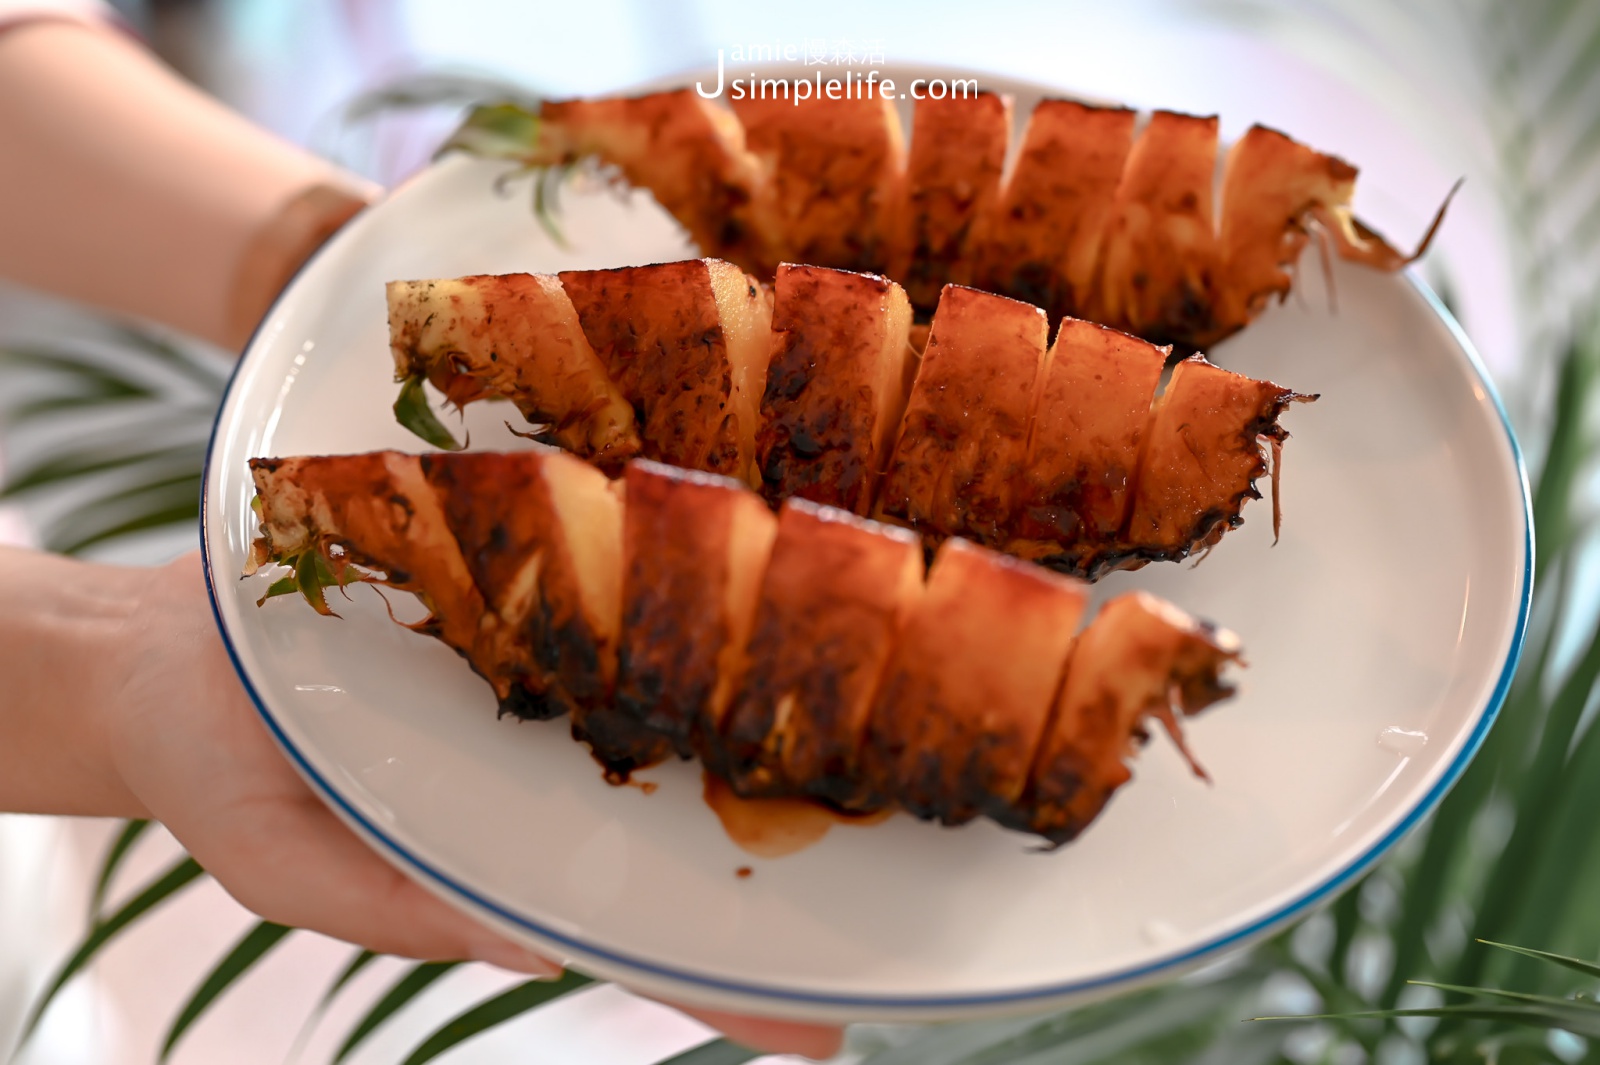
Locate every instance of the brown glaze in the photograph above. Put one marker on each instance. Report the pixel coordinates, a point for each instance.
(1042, 243)
(965, 698)
(835, 385)
(965, 433)
(834, 592)
(658, 332)
(837, 177)
(952, 181)
(773, 828)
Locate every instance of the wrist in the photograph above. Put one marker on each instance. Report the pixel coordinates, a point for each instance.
(64, 631)
(280, 246)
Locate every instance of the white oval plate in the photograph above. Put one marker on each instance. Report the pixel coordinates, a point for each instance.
(1392, 610)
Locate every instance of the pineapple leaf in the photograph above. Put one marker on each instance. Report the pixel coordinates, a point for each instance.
(245, 954)
(412, 411)
(119, 849)
(492, 1012)
(496, 131)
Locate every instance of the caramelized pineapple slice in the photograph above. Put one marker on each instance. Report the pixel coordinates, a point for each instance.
(686, 344)
(958, 149)
(689, 152)
(1140, 656)
(1160, 248)
(1042, 241)
(964, 436)
(383, 514)
(1270, 185)
(694, 547)
(836, 386)
(835, 589)
(547, 581)
(966, 696)
(1202, 455)
(834, 177)
(1094, 404)
(514, 336)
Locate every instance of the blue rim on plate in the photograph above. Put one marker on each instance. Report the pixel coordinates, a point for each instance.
(1130, 976)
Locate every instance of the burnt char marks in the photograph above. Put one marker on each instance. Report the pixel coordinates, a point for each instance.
(835, 386)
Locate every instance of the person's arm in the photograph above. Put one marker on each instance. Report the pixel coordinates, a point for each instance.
(124, 187)
(117, 699)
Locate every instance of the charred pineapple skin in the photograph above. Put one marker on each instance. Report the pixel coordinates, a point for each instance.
(958, 150)
(690, 544)
(660, 333)
(836, 385)
(964, 436)
(1202, 457)
(1139, 656)
(833, 594)
(968, 691)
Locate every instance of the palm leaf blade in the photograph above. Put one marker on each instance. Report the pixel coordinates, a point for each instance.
(245, 954)
(494, 1011)
(179, 876)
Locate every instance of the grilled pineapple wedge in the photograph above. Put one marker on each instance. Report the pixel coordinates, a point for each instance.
(952, 181)
(814, 390)
(965, 433)
(1141, 657)
(686, 344)
(514, 336)
(834, 176)
(1042, 241)
(806, 655)
(835, 591)
(687, 151)
(966, 696)
(1093, 221)
(694, 548)
(841, 365)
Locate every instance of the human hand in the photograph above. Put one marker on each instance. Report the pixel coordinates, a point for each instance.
(192, 750)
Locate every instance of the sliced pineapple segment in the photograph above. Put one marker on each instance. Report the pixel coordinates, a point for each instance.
(833, 176)
(1140, 656)
(514, 336)
(1042, 240)
(836, 385)
(694, 546)
(964, 436)
(958, 150)
(1160, 248)
(965, 698)
(1084, 447)
(835, 589)
(690, 374)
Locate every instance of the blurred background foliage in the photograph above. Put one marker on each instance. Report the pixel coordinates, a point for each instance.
(104, 441)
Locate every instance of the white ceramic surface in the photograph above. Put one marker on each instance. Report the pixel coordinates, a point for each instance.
(1391, 611)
